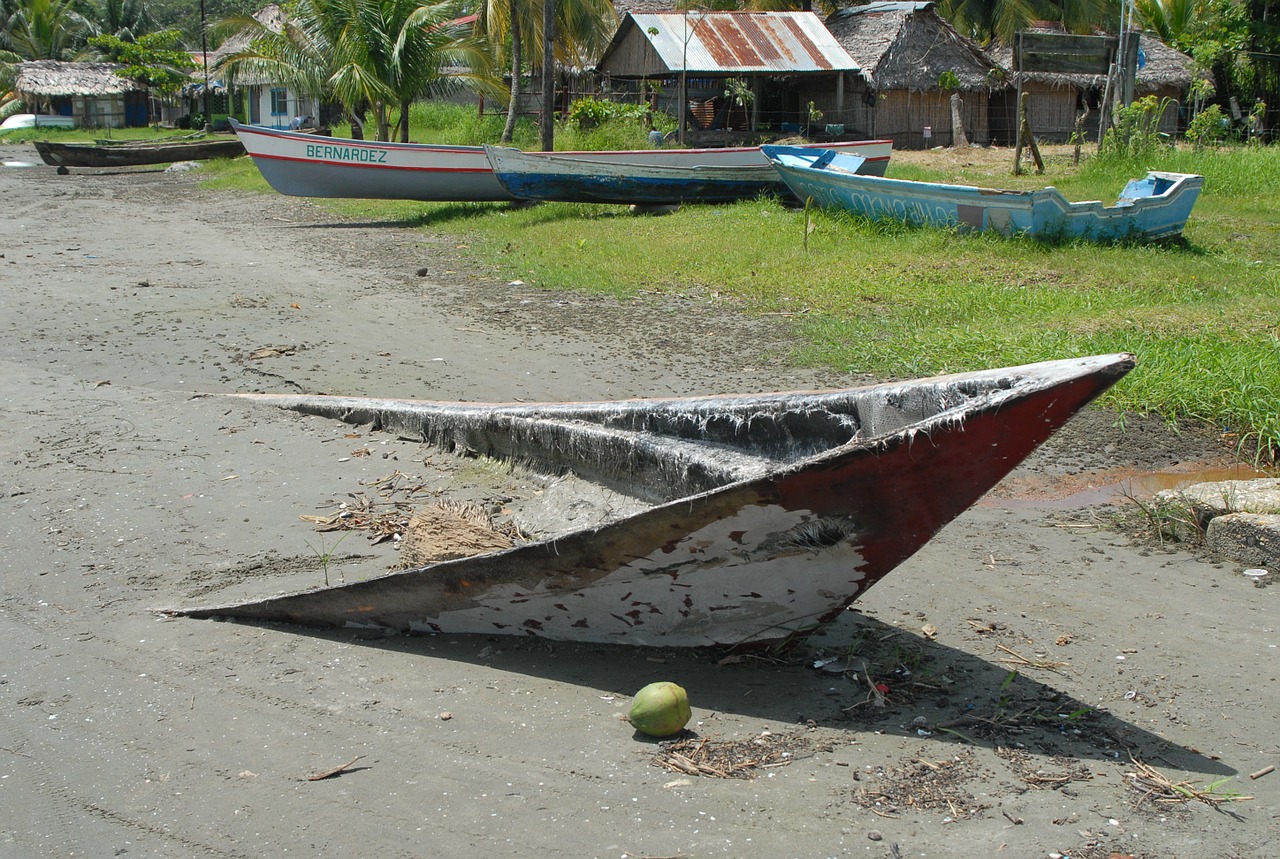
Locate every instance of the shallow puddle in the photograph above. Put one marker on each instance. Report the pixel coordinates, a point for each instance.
(1108, 486)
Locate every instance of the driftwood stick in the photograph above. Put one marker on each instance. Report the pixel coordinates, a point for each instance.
(335, 771)
(1260, 773)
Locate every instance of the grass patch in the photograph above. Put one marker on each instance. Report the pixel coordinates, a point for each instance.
(91, 135)
(895, 301)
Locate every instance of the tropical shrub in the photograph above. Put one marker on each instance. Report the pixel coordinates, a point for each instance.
(590, 112)
(1135, 132)
(1208, 127)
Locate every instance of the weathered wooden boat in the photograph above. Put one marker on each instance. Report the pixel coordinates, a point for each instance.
(1155, 207)
(136, 153)
(705, 520)
(567, 179)
(308, 165)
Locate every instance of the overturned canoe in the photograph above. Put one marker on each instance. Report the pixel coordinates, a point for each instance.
(723, 520)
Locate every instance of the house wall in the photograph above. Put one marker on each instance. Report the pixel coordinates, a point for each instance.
(903, 116)
(278, 111)
(1052, 112)
(103, 111)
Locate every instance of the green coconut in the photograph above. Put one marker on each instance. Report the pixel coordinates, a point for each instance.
(660, 710)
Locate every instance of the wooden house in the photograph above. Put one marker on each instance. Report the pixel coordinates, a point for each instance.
(1054, 101)
(912, 61)
(743, 73)
(91, 93)
(260, 99)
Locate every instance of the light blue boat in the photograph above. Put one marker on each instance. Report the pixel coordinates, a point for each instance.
(1149, 209)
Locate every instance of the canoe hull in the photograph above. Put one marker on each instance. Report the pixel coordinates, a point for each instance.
(307, 165)
(1149, 209)
(771, 555)
(538, 176)
(135, 155)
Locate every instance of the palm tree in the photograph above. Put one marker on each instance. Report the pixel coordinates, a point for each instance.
(124, 19)
(582, 29)
(1168, 19)
(367, 54)
(984, 20)
(46, 30)
(500, 19)
(433, 55)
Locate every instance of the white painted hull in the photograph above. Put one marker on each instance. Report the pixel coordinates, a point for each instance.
(306, 165)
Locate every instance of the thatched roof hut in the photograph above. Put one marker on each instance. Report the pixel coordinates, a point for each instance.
(271, 16)
(907, 52)
(91, 92)
(54, 79)
(1054, 101)
(622, 7)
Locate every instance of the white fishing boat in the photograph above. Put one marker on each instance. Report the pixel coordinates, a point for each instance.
(309, 165)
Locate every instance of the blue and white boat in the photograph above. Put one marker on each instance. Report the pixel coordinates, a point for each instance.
(552, 177)
(1155, 207)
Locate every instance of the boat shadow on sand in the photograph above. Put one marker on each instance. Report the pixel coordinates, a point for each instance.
(859, 675)
(438, 214)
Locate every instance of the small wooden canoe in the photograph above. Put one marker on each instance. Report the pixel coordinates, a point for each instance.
(136, 154)
(700, 521)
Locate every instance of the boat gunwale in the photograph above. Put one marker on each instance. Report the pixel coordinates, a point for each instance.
(1035, 195)
(296, 136)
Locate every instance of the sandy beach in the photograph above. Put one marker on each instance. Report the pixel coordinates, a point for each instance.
(1054, 686)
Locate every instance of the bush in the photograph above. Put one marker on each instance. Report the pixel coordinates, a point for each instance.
(592, 112)
(1208, 127)
(1135, 132)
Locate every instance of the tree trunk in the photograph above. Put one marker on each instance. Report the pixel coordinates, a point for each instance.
(516, 50)
(548, 75)
(958, 137)
(404, 121)
(356, 116)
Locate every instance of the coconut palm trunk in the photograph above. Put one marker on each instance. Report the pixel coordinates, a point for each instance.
(509, 129)
(404, 120)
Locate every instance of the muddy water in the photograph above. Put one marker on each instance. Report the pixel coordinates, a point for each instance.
(1108, 486)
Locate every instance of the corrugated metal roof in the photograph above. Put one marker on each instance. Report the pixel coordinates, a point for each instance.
(741, 42)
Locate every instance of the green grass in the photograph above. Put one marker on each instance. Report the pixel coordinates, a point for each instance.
(89, 135)
(1202, 315)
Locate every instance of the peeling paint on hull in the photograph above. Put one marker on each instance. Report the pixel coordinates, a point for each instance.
(769, 513)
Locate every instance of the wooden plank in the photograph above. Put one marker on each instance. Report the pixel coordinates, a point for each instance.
(1063, 54)
(1064, 64)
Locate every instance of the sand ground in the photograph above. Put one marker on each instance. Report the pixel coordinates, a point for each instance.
(124, 732)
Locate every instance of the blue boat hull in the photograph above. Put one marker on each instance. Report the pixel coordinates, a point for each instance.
(1155, 207)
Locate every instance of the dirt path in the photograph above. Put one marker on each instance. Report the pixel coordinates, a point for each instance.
(122, 733)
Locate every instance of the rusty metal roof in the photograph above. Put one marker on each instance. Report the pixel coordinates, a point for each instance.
(740, 42)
